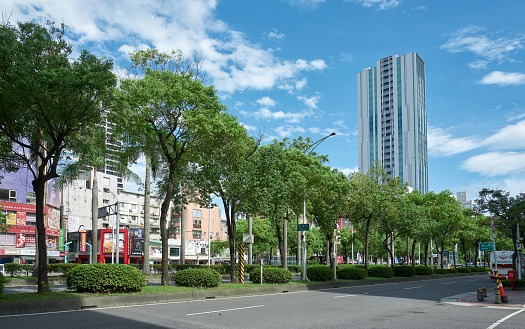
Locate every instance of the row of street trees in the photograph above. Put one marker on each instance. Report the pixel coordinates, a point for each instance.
(52, 107)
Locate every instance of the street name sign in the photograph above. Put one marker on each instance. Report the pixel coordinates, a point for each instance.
(486, 246)
(303, 227)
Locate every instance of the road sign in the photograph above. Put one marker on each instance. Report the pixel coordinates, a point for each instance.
(486, 246)
(247, 238)
(303, 227)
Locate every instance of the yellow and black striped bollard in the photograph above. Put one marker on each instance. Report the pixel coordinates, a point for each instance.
(240, 269)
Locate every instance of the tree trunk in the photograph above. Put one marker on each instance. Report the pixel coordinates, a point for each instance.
(413, 256)
(164, 281)
(284, 256)
(147, 200)
(231, 226)
(367, 232)
(42, 279)
(426, 254)
(182, 255)
(94, 217)
(299, 246)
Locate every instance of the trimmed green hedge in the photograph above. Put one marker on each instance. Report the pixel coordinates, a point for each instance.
(319, 273)
(463, 270)
(423, 270)
(404, 270)
(517, 283)
(380, 271)
(270, 275)
(105, 278)
(61, 267)
(15, 269)
(2, 282)
(350, 273)
(198, 277)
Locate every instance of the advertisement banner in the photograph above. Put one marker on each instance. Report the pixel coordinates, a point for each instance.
(137, 246)
(73, 222)
(108, 246)
(21, 240)
(61, 240)
(22, 229)
(137, 232)
(20, 218)
(11, 219)
(30, 240)
(83, 241)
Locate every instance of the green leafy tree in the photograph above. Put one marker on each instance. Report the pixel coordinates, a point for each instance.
(263, 232)
(508, 211)
(225, 172)
(365, 202)
(218, 247)
(446, 212)
(48, 104)
(172, 112)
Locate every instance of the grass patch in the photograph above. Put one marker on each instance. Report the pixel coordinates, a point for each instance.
(34, 296)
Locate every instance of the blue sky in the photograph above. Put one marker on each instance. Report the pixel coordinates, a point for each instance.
(289, 68)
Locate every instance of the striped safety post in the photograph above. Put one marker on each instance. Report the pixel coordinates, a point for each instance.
(240, 269)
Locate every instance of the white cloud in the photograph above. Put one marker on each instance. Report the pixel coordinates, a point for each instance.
(511, 137)
(248, 128)
(347, 171)
(288, 131)
(347, 57)
(291, 117)
(276, 35)
(488, 46)
(496, 163)
(479, 65)
(266, 101)
(233, 62)
(442, 143)
(503, 78)
(311, 102)
(299, 85)
(381, 4)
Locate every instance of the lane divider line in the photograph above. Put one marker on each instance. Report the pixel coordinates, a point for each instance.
(227, 310)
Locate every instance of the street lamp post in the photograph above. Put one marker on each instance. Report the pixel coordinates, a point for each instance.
(309, 150)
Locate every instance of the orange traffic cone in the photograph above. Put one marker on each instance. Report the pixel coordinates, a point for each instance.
(504, 297)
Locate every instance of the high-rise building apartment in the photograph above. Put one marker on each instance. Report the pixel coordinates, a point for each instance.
(392, 120)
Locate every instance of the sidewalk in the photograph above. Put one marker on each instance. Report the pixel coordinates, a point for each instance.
(516, 299)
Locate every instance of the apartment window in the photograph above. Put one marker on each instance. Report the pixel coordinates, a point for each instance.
(175, 252)
(197, 213)
(217, 234)
(7, 195)
(197, 234)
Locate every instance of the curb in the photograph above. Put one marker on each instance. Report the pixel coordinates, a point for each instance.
(43, 306)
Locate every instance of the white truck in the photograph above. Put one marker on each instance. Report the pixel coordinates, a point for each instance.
(502, 260)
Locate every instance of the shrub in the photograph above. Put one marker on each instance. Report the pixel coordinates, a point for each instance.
(319, 273)
(13, 268)
(463, 270)
(350, 273)
(158, 268)
(404, 270)
(2, 282)
(105, 278)
(451, 270)
(295, 268)
(61, 267)
(517, 283)
(423, 270)
(313, 262)
(380, 271)
(198, 277)
(440, 271)
(271, 275)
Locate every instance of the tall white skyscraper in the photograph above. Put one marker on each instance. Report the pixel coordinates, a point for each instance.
(392, 120)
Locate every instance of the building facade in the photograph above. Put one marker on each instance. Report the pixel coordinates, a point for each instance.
(392, 120)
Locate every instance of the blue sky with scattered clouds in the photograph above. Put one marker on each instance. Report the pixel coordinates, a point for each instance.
(289, 68)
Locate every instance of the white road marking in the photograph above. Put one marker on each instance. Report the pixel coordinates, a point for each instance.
(344, 296)
(500, 321)
(227, 310)
(413, 287)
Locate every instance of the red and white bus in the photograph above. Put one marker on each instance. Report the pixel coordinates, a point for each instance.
(503, 262)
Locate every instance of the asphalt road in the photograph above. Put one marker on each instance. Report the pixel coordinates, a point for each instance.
(417, 304)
